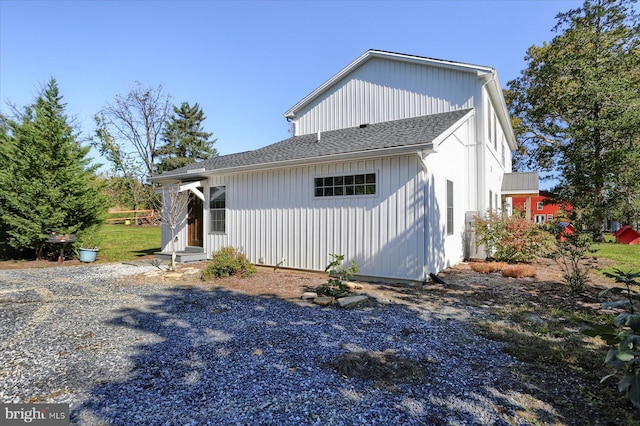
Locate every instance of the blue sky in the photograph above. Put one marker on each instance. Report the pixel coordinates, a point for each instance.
(244, 62)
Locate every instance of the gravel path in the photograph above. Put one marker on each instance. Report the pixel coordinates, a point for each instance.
(155, 353)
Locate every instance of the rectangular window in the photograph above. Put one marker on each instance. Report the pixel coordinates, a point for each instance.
(449, 207)
(549, 217)
(489, 128)
(495, 133)
(339, 186)
(217, 208)
(539, 218)
(490, 200)
(539, 205)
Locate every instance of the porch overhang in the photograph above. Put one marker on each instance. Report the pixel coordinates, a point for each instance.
(523, 184)
(193, 187)
(520, 184)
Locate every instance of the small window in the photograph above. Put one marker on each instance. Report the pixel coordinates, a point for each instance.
(217, 208)
(449, 207)
(549, 217)
(489, 114)
(339, 186)
(491, 200)
(495, 131)
(539, 218)
(540, 206)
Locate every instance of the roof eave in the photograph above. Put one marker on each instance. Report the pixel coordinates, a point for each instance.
(373, 153)
(495, 92)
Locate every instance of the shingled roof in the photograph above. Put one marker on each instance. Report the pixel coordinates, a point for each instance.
(407, 132)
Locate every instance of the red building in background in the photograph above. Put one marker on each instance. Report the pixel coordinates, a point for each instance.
(627, 235)
(541, 212)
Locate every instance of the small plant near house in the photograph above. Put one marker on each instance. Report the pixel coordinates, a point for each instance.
(571, 254)
(227, 262)
(512, 238)
(338, 276)
(89, 238)
(624, 336)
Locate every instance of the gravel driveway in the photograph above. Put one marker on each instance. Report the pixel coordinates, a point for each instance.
(125, 352)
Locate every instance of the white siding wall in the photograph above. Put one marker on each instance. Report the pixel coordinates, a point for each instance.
(273, 214)
(384, 90)
(496, 157)
(451, 162)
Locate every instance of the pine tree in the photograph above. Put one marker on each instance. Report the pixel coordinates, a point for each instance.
(47, 183)
(185, 141)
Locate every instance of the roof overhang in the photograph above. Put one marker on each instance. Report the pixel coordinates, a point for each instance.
(426, 147)
(492, 83)
(355, 155)
(520, 184)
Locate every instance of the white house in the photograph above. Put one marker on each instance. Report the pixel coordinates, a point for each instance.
(390, 159)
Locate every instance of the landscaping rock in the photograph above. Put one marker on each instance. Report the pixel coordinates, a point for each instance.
(352, 286)
(324, 300)
(172, 275)
(308, 295)
(347, 302)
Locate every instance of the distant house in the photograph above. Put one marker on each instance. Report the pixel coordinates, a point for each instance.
(390, 160)
(627, 235)
(538, 208)
(566, 229)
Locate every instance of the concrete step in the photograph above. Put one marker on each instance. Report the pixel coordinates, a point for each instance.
(194, 249)
(182, 256)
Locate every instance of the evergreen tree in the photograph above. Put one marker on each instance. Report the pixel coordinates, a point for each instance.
(579, 104)
(47, 183)
(185, 141)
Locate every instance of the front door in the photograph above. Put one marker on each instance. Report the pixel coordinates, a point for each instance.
(195, 226)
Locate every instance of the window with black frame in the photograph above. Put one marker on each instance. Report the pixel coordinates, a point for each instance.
(217, 208)
(347, 185)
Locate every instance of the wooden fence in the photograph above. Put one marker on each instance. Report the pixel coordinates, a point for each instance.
(124, 216)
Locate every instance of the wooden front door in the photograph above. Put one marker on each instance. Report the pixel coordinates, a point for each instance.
(195, 225)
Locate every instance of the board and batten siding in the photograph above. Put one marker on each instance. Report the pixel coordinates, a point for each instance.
(384, 90)
(273, 215)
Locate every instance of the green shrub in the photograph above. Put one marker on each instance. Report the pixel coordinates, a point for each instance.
(338, 274)
(226, 262)
(623, 357)
(571, 254)
(512, 239)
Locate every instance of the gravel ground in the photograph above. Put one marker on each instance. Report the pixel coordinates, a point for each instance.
(121, 352)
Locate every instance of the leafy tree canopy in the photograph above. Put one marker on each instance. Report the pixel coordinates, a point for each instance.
(577, 107)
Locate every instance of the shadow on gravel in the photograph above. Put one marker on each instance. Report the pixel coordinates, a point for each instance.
(219, 357)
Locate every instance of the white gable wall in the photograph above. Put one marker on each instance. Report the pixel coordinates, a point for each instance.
(384, 90)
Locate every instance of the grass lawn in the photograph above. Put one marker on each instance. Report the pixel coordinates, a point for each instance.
(626, 257)
(126, 242)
